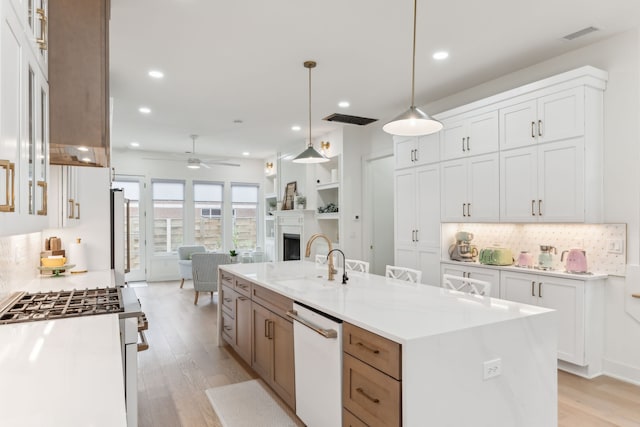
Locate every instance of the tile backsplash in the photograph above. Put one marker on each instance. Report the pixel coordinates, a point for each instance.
(593, 238)
(19, 259)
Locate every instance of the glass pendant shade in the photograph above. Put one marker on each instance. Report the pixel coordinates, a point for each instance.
(413, 122)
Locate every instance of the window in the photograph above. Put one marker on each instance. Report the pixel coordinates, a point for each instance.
(207, 198)
(244, 201)
(168, 215)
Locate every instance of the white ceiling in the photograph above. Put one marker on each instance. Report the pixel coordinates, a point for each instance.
(242, 60)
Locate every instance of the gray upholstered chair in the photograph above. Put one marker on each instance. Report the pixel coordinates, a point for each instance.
(184, 261)
(205, 272)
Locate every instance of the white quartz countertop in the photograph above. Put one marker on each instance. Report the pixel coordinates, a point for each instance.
(65, 282)
(394, 309)
(555, 273)
(64, 373)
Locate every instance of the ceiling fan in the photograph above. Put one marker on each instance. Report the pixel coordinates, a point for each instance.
(194, 162)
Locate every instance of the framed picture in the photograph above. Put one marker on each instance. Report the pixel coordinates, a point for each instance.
(289, 196)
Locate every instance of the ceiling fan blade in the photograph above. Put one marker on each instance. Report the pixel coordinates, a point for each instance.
(224, 164)
(164, 159)
(205, 165)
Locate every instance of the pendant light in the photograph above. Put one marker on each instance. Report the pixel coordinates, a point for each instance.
(413, 122)
(310, 155)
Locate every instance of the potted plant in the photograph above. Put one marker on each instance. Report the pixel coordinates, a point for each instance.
(301, 202)
(234, 255)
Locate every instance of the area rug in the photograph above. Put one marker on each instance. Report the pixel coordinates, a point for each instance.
(247, 404)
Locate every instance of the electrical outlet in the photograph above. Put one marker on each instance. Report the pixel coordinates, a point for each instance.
(492, 368)
(614, 246)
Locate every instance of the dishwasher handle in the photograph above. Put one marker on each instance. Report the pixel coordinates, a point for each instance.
(327, 333)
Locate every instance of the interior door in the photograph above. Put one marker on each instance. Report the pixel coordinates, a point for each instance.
(380, 184)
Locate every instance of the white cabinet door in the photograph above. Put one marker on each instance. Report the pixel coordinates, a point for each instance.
(561, 115)
(427, 179)
(454, 139)
(406, 257)
(427, 149)
(453, 191)
(404, 152)
(518, 125)
(518, 287)
(483, 196)
(405, 208)
(561, 181)
(482, 134)
(429, 264)
(567, 298)
(518, 185)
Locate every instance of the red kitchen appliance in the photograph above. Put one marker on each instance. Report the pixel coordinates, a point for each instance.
(576, 261)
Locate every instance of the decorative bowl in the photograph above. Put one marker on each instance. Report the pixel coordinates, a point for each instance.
(53, 262)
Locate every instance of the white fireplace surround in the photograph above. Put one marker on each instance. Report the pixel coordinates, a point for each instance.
(298, 221)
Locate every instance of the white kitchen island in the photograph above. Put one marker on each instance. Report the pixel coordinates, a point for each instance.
(448, 340)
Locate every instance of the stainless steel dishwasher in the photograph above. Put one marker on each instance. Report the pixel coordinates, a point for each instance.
(317, 342)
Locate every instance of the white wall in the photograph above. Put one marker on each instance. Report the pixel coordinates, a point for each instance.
(129, 162)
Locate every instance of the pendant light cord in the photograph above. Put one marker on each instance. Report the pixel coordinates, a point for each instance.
(413, 64)
(310, 143)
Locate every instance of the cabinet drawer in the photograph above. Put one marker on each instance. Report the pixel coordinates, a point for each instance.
(228, 329)
(228, 301)
(350, 420)
(242, 286)
(226, 278)
(373, 349)
(369, 394)
(275, 302)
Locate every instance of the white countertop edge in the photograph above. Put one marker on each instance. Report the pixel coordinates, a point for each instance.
(553, 273)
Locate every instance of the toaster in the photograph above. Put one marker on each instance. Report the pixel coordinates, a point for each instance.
(496, 256)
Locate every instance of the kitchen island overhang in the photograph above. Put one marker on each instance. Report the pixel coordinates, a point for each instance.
(448, 339)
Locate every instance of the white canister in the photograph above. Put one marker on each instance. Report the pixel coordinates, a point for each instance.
(334, 175)
(77, 255)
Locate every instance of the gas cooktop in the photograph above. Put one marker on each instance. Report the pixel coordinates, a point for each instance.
(25, 307)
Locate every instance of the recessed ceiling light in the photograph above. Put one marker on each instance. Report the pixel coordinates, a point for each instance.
(86, 159)
(194, 166)
(343, 104)
(296, 128)
(441, 55)
(156, 74)
(144, 110)
(245, 153)
(83, 149)
(134, 144)
(238, 121)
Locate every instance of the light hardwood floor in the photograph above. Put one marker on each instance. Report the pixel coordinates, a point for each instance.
(184, 360)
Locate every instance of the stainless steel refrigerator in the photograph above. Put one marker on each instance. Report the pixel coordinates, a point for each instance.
(120, 232)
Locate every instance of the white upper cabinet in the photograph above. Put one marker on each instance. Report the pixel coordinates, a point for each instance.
(469, 135)
(417, 150)
(470, 189)
(551, 117)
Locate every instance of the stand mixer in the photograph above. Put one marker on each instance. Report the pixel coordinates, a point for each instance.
(462, 249)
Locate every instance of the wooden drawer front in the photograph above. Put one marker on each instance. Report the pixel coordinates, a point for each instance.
(373, 349)
(226, 278)
(242, 287)
(228, 329)
(350, 420)
(369, 394)
(228, 301)
(275, 302)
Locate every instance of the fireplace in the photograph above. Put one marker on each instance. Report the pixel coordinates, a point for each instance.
(291, 247)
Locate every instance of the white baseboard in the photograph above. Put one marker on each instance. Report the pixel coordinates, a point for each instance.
(622, 371)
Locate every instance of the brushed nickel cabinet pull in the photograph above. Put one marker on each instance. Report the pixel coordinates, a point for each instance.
(463, 211)
(533, 288)
(468, 149)
(42, 41)
(412, 159)
(78, 213)
(266, 328)
(635, 295)
(417, 239)
(539, 127)
(366, 347)
(533, 131)
(243, 298)
(362, 392)
(415, 155)
(540, 207)
(469, 210)
(43, 185)
(539, 289)
(463, 150)
(10, 190)
(533, 203)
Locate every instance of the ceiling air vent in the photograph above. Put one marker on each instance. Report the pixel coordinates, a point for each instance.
(580, 33)
(352, 120)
